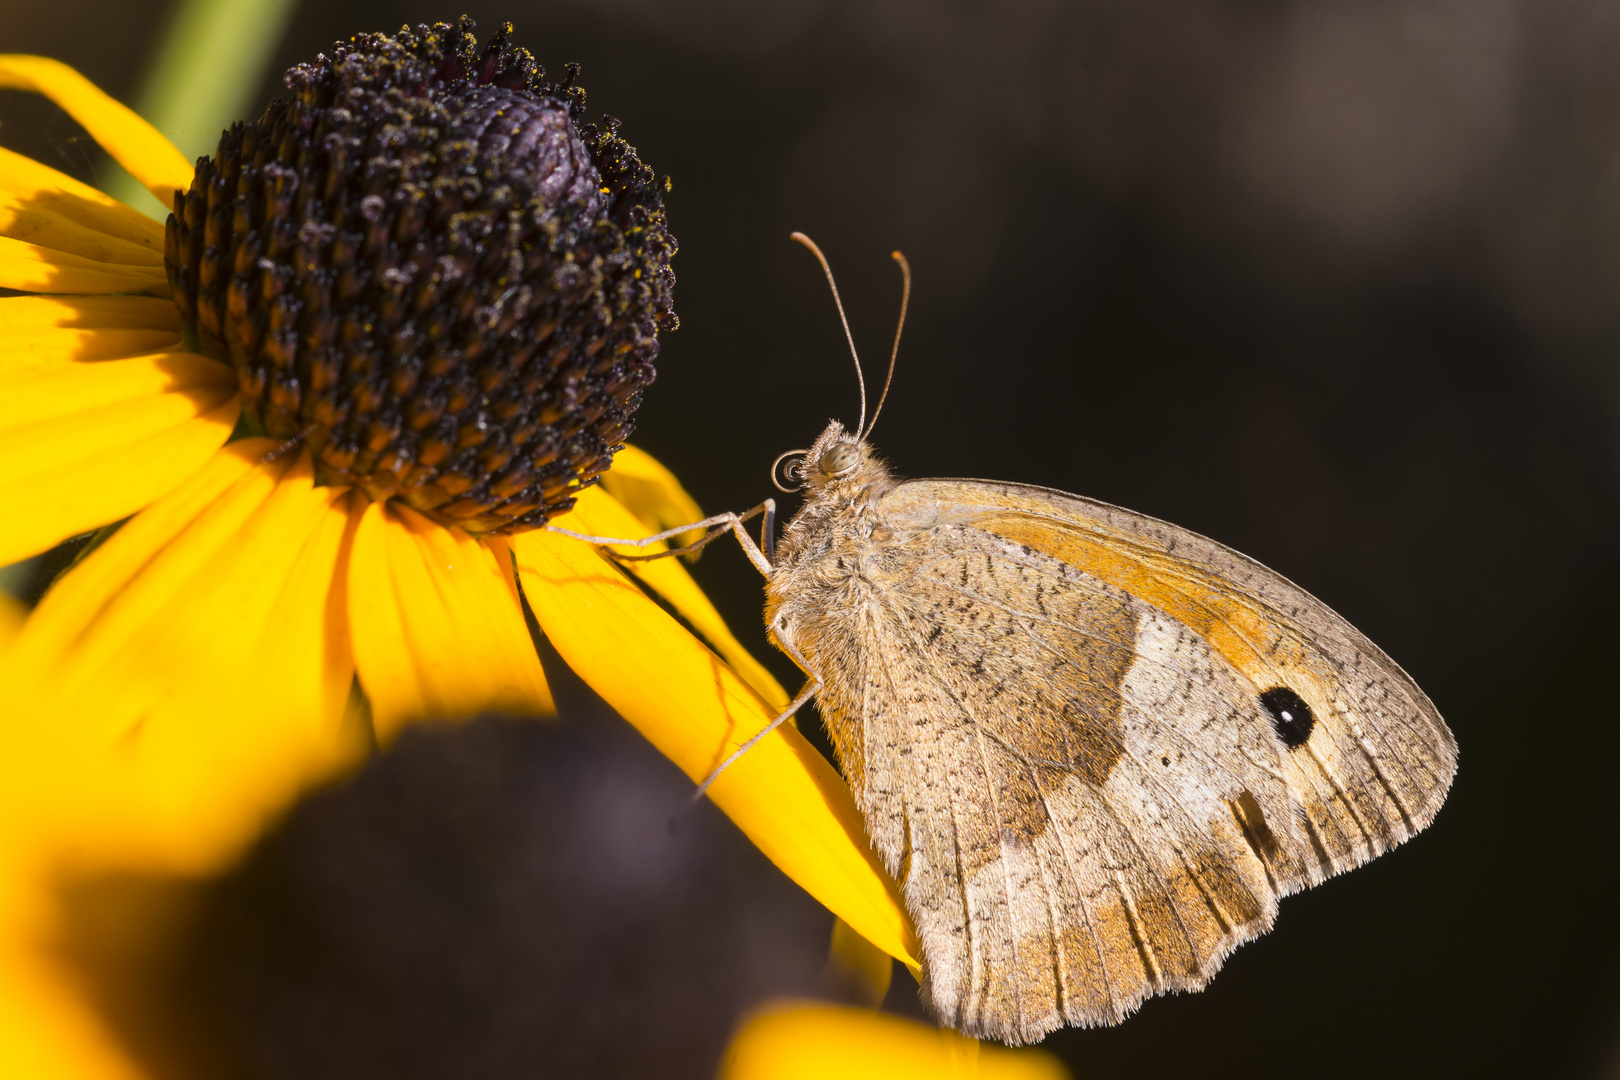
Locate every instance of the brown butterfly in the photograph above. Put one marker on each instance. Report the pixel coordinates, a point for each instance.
(1093, 747)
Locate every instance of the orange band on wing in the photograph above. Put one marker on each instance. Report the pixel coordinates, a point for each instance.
(1233, 629)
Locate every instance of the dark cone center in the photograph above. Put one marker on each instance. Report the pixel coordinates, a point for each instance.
(426, 266)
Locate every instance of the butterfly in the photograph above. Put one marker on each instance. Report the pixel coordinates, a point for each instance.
(1094, 748)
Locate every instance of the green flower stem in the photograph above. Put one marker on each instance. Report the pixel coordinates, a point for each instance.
(202, 77)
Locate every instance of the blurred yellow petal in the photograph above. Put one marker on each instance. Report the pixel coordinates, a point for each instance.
(12, 612)
(47, 1028)
(438, 631)
(32, 268)
(804, 1041)
(78, 450)
(132, 142)
(783, 794)
(204, 682)
(598, 514)
(34, 195)
(642, 485)
(41, 330)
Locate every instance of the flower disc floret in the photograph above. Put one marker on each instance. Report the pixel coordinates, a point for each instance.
(427, 265)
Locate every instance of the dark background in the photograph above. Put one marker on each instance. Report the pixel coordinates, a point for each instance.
(1332, 282)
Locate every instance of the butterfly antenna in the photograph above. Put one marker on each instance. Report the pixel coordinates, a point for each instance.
(905, 300)
(859, 378)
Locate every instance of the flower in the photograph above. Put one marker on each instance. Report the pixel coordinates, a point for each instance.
(794, 1040)
(392, 326)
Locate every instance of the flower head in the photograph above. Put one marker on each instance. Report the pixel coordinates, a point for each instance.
(430, 268)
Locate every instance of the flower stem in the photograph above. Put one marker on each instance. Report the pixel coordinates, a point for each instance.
(202, 76)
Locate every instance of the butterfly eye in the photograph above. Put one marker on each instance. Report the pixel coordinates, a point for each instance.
(840, 458)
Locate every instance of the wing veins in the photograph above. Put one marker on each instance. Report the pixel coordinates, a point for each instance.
(1413, 718)
(1152, 563)
(980, 731)
(1080, 896)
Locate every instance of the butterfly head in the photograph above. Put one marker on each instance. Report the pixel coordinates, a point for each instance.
(836, 456)
(837, 460)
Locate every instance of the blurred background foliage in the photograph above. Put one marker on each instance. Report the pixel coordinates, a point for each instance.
(1336, 282)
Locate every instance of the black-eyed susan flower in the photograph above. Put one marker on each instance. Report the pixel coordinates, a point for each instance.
(392, 325)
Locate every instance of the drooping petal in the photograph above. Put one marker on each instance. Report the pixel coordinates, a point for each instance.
(438, 630)
(85, 444)
(12, 612)
(696, 710)
(129, 140)
(597, 513)
(860, 968)
(810, 1041)
(643, 486)
(36, 199)
(32, 268)
(42, 330)
(196, 664)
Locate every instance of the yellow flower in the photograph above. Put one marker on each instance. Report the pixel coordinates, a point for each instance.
(804, 1041)
(269, 605)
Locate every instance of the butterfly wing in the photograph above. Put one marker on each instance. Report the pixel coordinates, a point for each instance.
(1097, 748)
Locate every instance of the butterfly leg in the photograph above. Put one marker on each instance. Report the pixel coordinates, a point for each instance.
(811, 687)
(717, 526)
(793, 706)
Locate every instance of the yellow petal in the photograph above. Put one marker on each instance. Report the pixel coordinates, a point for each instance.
(132, 142)
(438, 631)
(32, 268)
(783, 794)
(80, 601)
(78, 496)
(201, 670)
(30, 188)
(44, 394)
(40, 330)
(50, 229)
(77, 452)
(805, 1041)
(643, 486)
(598, 514)
(88, 313)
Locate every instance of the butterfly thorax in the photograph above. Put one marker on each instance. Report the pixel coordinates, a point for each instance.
(828, 569)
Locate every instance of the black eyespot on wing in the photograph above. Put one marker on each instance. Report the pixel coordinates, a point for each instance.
(1290, 716)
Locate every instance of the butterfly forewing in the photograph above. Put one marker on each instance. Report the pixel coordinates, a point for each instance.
(1376, 762)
